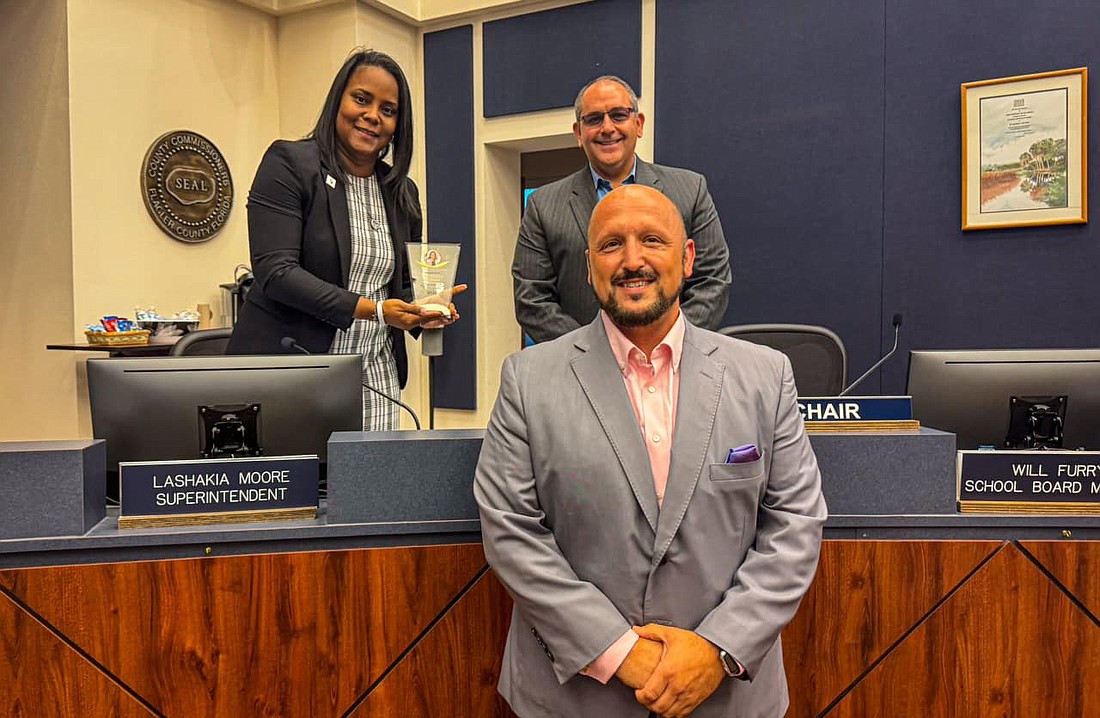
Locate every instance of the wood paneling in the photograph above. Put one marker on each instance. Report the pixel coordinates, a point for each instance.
(867, 594)
(41, 676)
(1075, 564)
(453, 671)
(889, 628)
(300, 634)
(1007, 643)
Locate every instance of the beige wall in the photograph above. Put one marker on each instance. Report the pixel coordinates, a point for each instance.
(135, 73)
(201, 65)
(415, 13)
(311, 47)
(38, 388)
(425, 12)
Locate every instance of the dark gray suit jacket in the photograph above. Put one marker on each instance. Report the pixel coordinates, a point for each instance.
(571, 526)
(549, 272)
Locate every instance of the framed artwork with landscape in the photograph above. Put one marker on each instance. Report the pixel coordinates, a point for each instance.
(1024, 149)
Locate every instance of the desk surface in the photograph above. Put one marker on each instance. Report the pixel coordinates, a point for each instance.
(130, 350)
(107, 543)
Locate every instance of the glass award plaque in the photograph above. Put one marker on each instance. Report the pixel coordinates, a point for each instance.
(433, 267)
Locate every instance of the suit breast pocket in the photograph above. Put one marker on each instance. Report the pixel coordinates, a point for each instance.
(728, 505)
(746, 471)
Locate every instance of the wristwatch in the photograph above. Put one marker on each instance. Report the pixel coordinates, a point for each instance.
(730, 665)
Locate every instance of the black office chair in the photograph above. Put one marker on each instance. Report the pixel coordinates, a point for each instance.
(203, 342)
(817, 354)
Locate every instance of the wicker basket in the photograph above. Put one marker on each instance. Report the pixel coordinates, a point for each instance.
(118, 339)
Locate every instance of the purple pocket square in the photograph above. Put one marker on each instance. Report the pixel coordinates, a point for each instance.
(743, 454)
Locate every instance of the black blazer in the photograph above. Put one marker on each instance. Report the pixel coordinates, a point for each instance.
(299, 237)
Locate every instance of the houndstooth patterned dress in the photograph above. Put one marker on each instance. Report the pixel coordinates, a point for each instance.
(372, 266)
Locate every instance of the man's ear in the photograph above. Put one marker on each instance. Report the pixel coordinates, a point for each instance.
(689, 256)
(588, 267)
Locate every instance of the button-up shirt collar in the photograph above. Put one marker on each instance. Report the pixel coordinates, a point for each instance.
(623, 348)
(603, 187)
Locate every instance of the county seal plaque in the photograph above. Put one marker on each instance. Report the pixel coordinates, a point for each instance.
(186, 186)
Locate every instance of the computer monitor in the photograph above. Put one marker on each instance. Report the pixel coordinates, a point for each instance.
(969, 392)
(147, 409)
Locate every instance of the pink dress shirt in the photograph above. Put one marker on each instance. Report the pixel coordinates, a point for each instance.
(653, 384)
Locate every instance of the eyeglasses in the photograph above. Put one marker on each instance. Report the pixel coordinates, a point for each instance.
(618, 115)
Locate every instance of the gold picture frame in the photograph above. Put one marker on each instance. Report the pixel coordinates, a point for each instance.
(1024, 150)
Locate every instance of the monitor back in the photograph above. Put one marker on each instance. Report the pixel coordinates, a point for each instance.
(147, 408)
(967, 392)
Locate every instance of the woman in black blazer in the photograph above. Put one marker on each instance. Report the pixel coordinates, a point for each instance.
(328, 222)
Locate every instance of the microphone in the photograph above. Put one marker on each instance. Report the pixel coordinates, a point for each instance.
(880, 362)
(292, 343)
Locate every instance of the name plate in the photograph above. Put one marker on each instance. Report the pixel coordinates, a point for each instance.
(209, 491)
(858, 413)
(1029, 482)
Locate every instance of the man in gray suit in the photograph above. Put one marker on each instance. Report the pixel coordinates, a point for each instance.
(548, 268)
(648, 497)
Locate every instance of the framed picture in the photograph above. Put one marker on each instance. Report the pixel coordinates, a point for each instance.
(1024, 150)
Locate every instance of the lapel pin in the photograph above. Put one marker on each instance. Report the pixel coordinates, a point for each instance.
(330, 181)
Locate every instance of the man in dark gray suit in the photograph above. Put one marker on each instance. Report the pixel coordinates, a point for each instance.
(552, 295)
(649, 498)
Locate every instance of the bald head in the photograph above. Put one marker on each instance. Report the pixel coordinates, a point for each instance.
(628, 200)
(638, 257)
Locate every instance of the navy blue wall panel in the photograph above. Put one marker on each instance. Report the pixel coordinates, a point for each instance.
(1033, 287)
(830, 133)
(449, 153)
(780, 106)
(539, 61)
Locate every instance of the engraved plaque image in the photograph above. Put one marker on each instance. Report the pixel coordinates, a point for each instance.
(186, 185)
(433, 268)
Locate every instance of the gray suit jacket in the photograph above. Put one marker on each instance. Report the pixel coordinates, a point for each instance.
(571, 526)
(549, 273)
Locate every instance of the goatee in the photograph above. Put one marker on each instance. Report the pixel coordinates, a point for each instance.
(624, 317)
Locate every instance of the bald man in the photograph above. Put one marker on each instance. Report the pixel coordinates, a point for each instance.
(648, 497)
